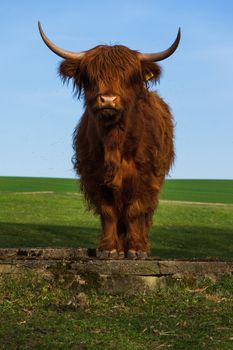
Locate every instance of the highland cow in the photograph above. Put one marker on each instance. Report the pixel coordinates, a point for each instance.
(123, 143)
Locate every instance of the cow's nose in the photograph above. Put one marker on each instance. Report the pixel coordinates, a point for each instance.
(106, 101)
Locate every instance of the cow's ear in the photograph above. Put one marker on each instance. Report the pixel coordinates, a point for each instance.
(69, 69)
(151, 71)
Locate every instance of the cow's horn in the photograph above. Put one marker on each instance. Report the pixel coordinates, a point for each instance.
(60, 52)
(159, 56)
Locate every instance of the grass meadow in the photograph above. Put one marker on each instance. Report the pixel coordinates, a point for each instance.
(194, 220)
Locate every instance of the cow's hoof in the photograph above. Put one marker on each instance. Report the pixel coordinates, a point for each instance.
(121, 255)
(134, 255)
(131, 254)
(107, 254)
(113, 254)
(142, 255)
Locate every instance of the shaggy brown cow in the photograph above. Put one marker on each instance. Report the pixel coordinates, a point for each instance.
(123, 143)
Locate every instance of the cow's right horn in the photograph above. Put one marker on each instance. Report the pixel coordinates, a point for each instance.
(57, 50)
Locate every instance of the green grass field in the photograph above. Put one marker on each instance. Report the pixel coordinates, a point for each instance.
(213, 191)
(210, 191)
(37, 312)
(51, 212)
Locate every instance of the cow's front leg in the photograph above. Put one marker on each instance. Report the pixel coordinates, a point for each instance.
(108, 245)
(137, 233)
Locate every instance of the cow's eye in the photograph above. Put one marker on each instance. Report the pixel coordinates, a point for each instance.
(88, 83)
(86, 80)
(134, 79)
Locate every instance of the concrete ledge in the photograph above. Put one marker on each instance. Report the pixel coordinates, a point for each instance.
(81, 268)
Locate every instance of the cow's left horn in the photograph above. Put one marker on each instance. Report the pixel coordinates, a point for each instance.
(60, 52)
(159, 56)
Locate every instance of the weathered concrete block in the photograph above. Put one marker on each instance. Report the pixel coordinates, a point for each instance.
(80, 269)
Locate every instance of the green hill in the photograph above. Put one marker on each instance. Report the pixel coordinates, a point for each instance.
(213, 191)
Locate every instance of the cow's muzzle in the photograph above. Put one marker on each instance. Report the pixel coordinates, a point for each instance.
(107, 101)
(108, 106)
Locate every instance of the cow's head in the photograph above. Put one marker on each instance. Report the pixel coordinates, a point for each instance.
(112, 78)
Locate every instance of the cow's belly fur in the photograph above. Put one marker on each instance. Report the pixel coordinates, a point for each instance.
(131, 192)
(128, 198)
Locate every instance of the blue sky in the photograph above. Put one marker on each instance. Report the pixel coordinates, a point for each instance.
(38, 114)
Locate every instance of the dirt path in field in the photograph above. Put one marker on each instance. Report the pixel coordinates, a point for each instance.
(36, 192)
(161, 200)
(196, 203)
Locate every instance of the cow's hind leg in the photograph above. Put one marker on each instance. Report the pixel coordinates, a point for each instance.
(137, 237)
(108, 245)
(121, 231)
